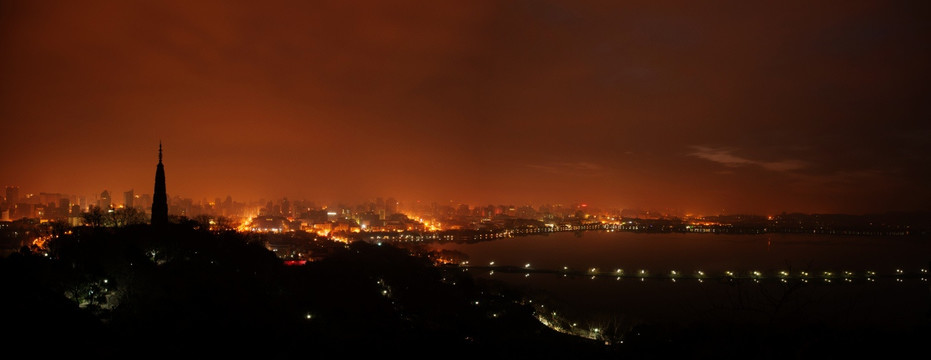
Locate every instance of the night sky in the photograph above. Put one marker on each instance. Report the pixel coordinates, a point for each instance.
(704, 107)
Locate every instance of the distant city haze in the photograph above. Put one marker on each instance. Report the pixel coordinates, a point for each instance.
(688, 107)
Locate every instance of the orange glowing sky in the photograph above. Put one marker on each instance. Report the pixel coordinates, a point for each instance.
(708, 107)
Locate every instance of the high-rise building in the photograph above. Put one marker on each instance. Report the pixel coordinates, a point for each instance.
(160, 197)
(64, 205)
(128, 198)
(12, 195)
(104, 201)
(391, 206)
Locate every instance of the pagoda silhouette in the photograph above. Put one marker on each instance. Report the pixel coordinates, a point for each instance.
(160, 197)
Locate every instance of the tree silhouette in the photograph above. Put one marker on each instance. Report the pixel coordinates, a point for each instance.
(125, 217)
(94, 217)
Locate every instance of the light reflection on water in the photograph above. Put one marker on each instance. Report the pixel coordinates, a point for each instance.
(887, 301)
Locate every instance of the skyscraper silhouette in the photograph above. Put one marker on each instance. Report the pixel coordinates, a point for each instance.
(160, 197)
(105, 201)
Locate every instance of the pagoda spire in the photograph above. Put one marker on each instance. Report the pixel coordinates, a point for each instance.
(160, 197)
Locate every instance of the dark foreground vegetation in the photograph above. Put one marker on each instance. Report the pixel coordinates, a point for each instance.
(179, 291)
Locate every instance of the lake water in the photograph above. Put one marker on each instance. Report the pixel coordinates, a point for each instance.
(897, 295)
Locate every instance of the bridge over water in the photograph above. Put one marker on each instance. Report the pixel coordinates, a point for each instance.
(645, 274)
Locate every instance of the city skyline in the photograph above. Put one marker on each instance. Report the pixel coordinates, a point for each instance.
(188, 207)
(702, 108)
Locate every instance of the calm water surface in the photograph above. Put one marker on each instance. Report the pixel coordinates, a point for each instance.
(884, 302)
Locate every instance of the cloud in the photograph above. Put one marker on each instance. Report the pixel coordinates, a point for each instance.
(721, 156)
(726, 157)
